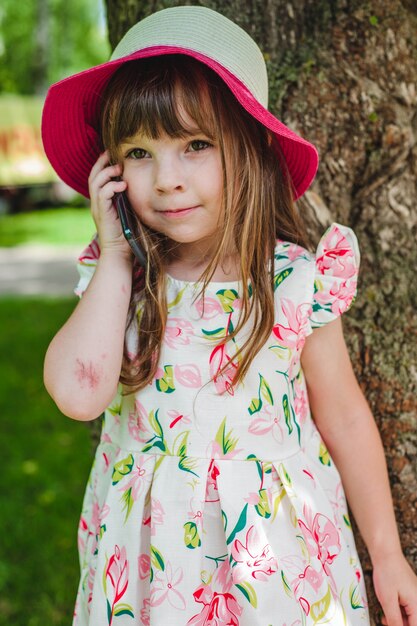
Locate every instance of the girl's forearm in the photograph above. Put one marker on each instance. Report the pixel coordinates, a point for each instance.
(358, 454)
(83, 361)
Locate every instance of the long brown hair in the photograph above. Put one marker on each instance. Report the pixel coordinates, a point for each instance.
(146, 96)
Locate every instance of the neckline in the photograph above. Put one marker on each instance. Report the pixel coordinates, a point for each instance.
(212, 283)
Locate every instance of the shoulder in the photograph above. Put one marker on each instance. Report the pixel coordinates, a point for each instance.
(315, 288)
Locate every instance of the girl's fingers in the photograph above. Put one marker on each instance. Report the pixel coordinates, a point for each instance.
(102, 177)
(101, 162)
(393, 615)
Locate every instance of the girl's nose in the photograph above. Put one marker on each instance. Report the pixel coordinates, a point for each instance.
(169, 175)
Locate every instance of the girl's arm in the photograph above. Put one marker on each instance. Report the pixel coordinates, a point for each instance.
(347, 426)
(83, 361)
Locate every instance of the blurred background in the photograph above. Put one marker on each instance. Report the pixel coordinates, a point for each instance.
(43, 227)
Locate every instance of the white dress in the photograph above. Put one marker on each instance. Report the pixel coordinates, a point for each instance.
(209, 505)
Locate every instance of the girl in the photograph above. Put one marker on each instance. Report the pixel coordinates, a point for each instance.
(214, 496)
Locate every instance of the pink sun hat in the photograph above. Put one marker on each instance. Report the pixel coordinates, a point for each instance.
(70, 120)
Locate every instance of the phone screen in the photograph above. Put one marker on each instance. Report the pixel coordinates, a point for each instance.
(124, 212)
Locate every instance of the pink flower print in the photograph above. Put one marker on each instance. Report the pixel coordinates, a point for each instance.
(301, 406)
(98, 514)
(116, 577)
(337, 256)
(267, 421)
(139, 478)
(253, 560)
(220, 609)
(157, 514)
(343, 294)
(178, 332)
(145, 613)
(177, 417)
(138, 424)
(301, 577)
(208, 308)
(90, 254)
(163, 587)
(321, 537)
(196, 513)
(214, 451)
(212, 493)
(293, 335)
(188, 375)
(222, 380)
(144, 566)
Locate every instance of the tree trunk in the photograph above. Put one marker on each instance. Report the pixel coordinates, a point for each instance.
(343, 73)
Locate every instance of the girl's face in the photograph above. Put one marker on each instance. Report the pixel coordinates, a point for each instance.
(175, 187)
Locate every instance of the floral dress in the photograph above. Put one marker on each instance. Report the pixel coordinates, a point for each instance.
(212, 506)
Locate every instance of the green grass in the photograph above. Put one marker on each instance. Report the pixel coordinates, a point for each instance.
(46, 459)
(52, 226)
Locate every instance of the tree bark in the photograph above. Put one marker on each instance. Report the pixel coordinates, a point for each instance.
(343, 73)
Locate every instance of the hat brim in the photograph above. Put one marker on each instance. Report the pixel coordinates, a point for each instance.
(70, 122)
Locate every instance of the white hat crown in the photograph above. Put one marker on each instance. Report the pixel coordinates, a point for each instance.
(204, 31)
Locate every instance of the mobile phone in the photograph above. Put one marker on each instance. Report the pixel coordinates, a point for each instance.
(125, 213)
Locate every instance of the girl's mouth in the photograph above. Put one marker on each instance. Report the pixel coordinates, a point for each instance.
(179, 212)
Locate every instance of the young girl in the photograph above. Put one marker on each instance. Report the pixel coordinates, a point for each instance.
(214, 498)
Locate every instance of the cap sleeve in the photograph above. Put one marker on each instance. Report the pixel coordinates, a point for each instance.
(86, 266)
(336, 274)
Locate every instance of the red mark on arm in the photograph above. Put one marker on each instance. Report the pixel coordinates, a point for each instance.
(87, 374)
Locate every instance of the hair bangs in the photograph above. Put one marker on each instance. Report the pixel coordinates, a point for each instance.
(153, 101)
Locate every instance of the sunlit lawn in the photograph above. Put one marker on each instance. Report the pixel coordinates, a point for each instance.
(49, 226)
(45, 460)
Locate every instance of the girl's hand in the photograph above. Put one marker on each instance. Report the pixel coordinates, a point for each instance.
(396, 588)
(102, 189)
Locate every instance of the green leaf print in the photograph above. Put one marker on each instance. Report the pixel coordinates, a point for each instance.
(179, 448)
(158, 440)
(123, 609)
(225, 441)
(355, 597)
(227, 297)
(255, 406)
(166, 383)
(277, 499)
(262, 508)
(109, 612)
(253, 457)
(157, 559)
(191, 536)
(347, 520)
(287, 587)
(155, 423)
(287, 413)
(127, 502)
(249, 593)
(219, 332)
(155, 443)
(122, 468)
(187, 464)
(324, 455)
(265, 391)
(319, 609)
(281, 276)
(224, 518)
(241, 523)
(177, 299)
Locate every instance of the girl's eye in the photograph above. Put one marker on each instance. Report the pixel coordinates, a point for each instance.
(137, 153)
(199, 144)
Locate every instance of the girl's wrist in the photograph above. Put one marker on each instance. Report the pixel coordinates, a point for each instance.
(385, 553)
